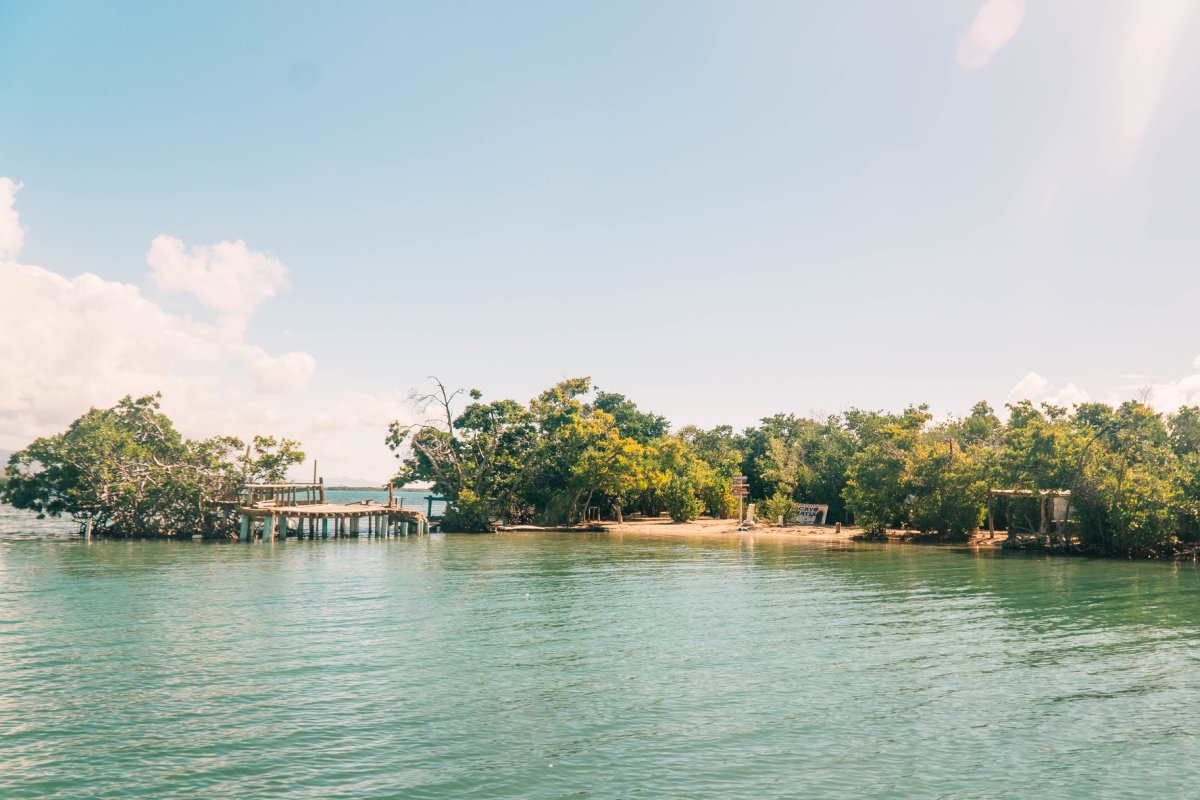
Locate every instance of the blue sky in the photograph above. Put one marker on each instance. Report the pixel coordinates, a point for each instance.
(723, 210)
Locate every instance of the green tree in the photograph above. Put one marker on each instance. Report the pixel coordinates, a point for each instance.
(478, 459)
(946, 487)
(126, 471)
(878, 482)
(641, 426)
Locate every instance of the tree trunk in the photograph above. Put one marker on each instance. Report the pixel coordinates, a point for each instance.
(587, 503)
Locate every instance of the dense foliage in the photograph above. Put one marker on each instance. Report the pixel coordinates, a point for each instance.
(126, 471)
(1133, 474)
(574, 452)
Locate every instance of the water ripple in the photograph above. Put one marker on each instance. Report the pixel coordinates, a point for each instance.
(589, 667)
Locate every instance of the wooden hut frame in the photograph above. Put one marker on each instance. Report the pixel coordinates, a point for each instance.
(1044, 496)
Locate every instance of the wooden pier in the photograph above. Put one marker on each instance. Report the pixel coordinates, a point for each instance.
(273, 509)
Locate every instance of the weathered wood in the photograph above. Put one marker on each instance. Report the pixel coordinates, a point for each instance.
(381, 520)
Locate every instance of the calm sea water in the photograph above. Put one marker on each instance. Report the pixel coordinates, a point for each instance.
(589, 666)
(417, 500)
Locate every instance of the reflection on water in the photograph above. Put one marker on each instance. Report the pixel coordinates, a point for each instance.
(538, 666)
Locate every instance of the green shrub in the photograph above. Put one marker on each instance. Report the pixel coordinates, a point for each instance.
(469, 513)
(682, 503)
(779, 507)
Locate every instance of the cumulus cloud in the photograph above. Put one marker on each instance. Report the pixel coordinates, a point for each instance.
(12, 235)
(283, 374)
(1068, 396)
(1170, 395)
(69, 343)
(995, 24)
(227, 276)
(1164, 395)
(1036, 388)
(1030, 387)
(1151, 38)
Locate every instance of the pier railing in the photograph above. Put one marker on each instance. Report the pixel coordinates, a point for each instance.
(283, 494)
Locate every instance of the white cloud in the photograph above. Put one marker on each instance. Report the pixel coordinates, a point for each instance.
(12, 235)
(1036, 388)
(1150, 38)
(1171, 395)
(70, 343)
(995, 24)
(1031, 387)
(1068, 396)
(227, 276)
(280, 375)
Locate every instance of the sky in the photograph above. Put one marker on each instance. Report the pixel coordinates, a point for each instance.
(284, 215)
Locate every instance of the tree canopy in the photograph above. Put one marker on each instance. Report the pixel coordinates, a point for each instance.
(574, 451)
(127, 471)
(1134, 473)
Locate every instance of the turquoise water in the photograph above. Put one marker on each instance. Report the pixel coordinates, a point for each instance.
(589, 666)
(415, 500)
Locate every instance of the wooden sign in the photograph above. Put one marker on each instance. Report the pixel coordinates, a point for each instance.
(811, 514)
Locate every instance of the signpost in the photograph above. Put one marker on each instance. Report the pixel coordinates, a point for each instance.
(740, 488)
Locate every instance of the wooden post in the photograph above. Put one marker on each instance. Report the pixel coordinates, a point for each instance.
(324, 526)
(87, 531)
(404, 529)
(991, 519)
(322, 482)
(391, 495)
(244, 533)
(1042, 525)
(268, 528)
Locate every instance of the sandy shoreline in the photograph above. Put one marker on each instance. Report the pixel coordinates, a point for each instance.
(727, 528)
